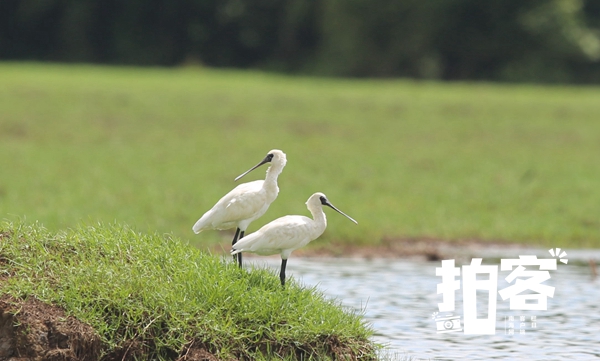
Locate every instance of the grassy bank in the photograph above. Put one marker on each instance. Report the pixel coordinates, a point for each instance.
(154, 297)
(157, 147)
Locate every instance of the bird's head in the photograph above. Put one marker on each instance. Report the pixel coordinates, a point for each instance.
(275, 157)
(320, 199)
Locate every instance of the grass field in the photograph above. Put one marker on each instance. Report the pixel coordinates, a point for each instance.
(156, 148)
(153, 298)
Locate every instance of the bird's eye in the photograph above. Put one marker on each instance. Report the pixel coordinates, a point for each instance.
(323, 200)
(269, 157)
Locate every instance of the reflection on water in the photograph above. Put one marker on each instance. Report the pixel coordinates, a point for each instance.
(398, 298)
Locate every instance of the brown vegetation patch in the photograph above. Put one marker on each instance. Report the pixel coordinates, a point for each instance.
(197, 353)
(33, 330)
(430, 249)
(420, 248)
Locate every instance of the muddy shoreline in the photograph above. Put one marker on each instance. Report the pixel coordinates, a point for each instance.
(428, 249)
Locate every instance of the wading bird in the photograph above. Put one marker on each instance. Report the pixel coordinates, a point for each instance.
(288, 233)
(246, 202)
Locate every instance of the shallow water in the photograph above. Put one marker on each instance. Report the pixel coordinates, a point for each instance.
(398, 297)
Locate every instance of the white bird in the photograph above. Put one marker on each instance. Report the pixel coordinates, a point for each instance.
(288, 233)
(246, 202)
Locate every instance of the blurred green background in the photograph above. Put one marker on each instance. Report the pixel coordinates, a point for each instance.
(444, 119)
(156, 148)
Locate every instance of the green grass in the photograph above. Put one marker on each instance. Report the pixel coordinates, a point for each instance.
(157, 291)
(156, 148)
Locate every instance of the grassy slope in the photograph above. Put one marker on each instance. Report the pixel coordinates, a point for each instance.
(159, 292)
(156, 148)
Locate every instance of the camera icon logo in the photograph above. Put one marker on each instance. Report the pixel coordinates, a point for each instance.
(447, 324)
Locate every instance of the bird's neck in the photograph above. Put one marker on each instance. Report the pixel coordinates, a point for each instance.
(319, 218)
(272, 174)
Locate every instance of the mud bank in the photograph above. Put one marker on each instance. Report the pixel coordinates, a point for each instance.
(31, 330)
(430, 249)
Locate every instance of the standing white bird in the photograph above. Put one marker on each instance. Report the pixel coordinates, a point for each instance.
(246, 202)
(288, 233)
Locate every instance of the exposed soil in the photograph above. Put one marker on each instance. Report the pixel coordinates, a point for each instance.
(31, 330)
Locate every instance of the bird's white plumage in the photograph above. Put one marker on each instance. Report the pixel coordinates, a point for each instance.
(286, 234)
(282, 236)
(246, 202)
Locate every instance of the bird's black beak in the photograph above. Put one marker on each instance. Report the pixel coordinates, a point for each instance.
(324, 201)
(267, 159)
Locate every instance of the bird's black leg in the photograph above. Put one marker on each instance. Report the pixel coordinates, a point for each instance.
(282, 272)
(240, 254)
(235, 239)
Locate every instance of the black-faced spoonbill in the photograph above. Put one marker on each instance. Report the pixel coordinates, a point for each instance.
(288, 233)
(246, 202)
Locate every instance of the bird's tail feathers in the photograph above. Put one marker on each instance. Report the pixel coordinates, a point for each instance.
(200, 224)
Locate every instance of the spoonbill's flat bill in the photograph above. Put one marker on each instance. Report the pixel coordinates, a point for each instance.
(246, 202)
(288, 233)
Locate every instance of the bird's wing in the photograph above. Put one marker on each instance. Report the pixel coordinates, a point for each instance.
(243, 202)
(289, 232)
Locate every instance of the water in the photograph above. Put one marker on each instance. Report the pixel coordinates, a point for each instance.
(398, 298)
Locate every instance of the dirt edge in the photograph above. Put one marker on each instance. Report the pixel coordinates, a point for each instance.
(31, 330)
(429, 249)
